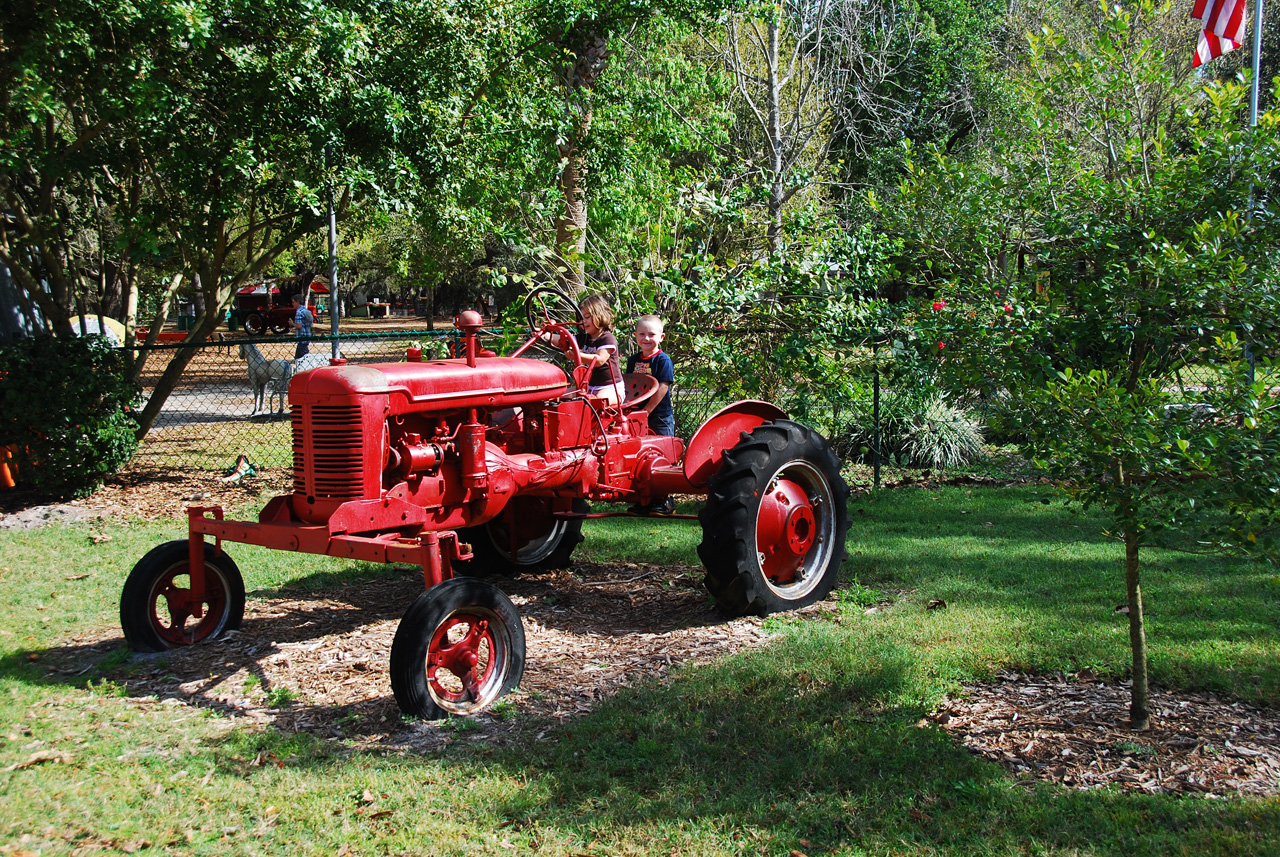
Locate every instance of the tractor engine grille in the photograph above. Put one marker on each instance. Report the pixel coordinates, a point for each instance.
(334, 452)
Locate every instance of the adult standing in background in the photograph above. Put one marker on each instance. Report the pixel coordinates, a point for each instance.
(301, 324)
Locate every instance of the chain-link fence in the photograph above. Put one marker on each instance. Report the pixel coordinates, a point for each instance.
(226, 404)
(217, 411)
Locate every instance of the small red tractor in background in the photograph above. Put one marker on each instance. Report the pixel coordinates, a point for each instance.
(482, 464)
(262, 307)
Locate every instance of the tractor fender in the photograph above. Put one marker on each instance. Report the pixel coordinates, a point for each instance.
(722, 431)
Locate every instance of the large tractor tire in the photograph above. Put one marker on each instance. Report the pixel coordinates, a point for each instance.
(542, 541)
(775, 521)
(156, 611)
(458, 649)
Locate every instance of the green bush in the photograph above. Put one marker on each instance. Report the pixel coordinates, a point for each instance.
(65, 405)
(1000, 418)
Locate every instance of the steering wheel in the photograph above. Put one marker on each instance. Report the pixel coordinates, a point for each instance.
(546, 305)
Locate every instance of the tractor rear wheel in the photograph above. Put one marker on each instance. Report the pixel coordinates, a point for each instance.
(459, 647)
(541, 540)
(157, 612)
(775, 521)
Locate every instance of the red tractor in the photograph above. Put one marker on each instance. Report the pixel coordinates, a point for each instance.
(483, 464)
(258, 309)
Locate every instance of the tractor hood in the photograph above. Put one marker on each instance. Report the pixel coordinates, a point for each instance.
(494, 382)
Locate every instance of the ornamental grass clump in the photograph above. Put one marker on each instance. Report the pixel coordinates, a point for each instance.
(941, 436)
(915, 431)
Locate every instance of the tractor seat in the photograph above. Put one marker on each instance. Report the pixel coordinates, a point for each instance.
(637, 388)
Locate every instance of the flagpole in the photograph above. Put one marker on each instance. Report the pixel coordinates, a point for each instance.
(1253, 123)
(1257, 63)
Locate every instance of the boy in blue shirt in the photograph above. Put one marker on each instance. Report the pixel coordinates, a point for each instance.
(652, 360)
(301, 323)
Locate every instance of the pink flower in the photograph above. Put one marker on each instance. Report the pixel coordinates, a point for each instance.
(937, 305)
(1008, 308)
(941, 345)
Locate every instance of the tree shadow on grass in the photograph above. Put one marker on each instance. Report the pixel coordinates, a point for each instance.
(314, 653)
(818, 746)
(321, 604)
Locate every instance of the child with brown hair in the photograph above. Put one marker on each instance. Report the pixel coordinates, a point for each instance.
(599, 349)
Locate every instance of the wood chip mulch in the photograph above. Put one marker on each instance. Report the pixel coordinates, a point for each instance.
(317, 662)
(1075, 733)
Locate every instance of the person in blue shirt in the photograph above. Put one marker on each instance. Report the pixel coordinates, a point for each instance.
(301, 323)
(652, 360)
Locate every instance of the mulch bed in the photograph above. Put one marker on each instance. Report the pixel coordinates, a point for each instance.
(595, 629)
(1075, 733)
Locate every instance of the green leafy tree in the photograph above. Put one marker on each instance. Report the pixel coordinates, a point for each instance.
(199, 140)
(789, 331)
(194, 130)
(1118, 288)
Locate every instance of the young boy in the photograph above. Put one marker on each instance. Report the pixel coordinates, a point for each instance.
(662, 418)
(653, 361)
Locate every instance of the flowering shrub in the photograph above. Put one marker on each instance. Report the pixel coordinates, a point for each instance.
(792, 331)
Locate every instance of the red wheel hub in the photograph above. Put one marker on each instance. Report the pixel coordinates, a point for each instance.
(786, 530)
(182, 607)
(463, 646)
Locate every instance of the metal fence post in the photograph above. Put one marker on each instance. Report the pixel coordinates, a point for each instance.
(875, 422)
(333, 270)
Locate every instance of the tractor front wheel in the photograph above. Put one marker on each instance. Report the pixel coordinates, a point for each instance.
(775, 521)
(458, 649)
(157, 609)
(255, 324)
(525, 537)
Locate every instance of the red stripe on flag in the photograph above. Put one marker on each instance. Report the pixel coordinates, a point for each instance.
(1210, 47)
(1223, 18)
(1223, 22)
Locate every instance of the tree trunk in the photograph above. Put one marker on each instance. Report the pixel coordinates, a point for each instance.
(590, 50)
(219, 291)
(153, 333)
(1139, 706)
(571, 226)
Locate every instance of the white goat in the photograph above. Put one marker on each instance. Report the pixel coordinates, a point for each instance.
(264, 374)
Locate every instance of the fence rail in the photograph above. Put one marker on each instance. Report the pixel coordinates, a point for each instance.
(208, 420)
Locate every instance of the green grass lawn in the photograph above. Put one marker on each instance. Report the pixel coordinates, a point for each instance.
(810, 745)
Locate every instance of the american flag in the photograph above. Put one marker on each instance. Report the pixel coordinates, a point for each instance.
(1223, 31)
